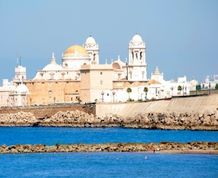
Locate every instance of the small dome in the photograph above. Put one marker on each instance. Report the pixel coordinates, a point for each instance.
(76, 51)
(118, 64)
(21, 88)
(53, 66)
(137, 39)
(90, 40)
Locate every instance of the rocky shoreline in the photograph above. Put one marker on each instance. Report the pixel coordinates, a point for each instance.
(162, 147)
(179, 121)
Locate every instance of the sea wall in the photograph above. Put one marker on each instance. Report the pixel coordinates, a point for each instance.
(163, 147)
(198, 104)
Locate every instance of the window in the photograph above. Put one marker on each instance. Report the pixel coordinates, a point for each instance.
(93, 57)
(140, 55)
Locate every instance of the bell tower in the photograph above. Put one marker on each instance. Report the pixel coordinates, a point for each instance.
(93, 49)
(20, 71)
(137, 65)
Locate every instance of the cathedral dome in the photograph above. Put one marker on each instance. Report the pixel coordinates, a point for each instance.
(75, 51)
(52, 67)
(90, 40)
(137, 39)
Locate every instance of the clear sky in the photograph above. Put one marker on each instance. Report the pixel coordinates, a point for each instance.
(181, 35)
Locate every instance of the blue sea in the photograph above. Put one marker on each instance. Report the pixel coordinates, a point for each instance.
(109, 165)
(52, 135)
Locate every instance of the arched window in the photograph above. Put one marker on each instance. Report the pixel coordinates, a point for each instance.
(140, 55)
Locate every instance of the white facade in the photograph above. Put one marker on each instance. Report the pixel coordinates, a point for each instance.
(157, 88)
(210, 82)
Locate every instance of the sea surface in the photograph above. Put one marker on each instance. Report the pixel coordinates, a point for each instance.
(51, 136)
(108, 165)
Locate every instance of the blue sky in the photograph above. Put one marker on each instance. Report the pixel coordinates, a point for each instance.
(181, 35)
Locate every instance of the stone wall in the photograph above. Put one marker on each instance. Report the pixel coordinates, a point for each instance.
(49, 110)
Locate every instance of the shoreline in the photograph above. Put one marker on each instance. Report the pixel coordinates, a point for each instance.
(129, 126)
(80, 119)
(162, 148)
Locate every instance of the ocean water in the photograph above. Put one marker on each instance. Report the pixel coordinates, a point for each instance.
(50, 136)
(108, 165)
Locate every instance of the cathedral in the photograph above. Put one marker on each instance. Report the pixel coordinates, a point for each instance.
(81, 78)
(88, 54)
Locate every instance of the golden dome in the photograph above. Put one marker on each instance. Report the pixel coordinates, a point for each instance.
(76, 51)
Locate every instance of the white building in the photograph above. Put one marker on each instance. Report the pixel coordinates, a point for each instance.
(13, 95)
(210, 82)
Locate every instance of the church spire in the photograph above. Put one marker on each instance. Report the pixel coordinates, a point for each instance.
(156, 71)
(53, 61)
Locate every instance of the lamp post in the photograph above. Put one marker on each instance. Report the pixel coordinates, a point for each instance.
(113, 92)
(102, 94)
(172, 91)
